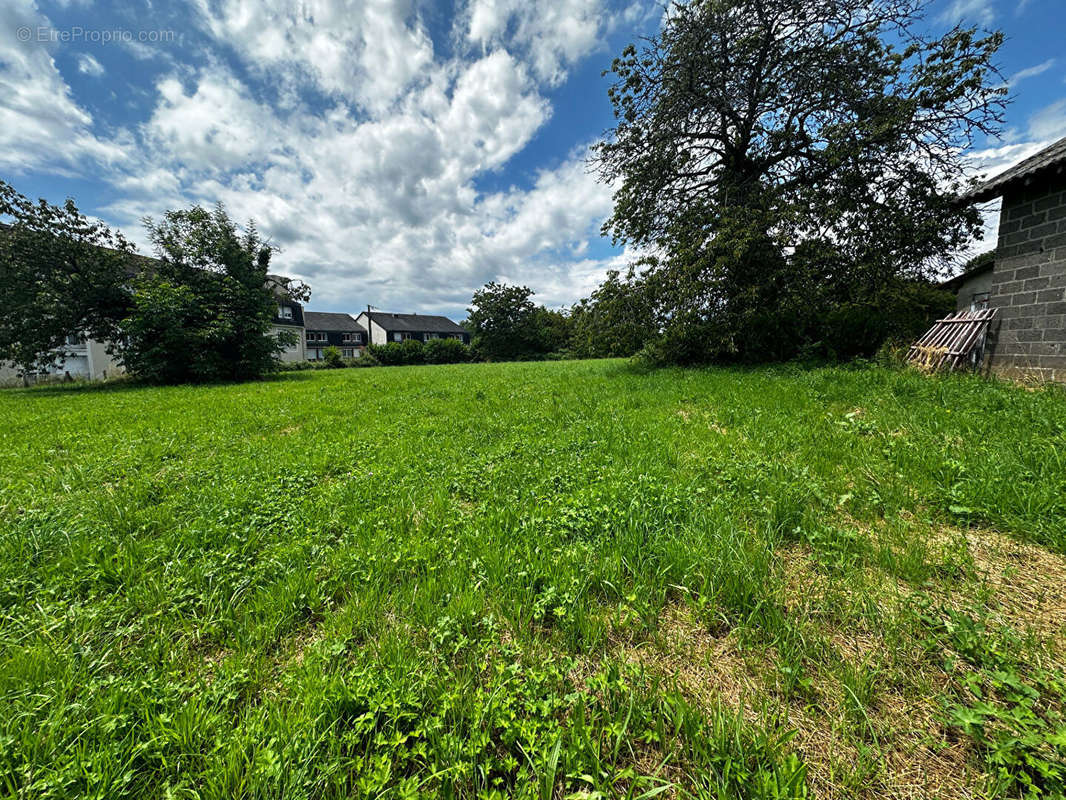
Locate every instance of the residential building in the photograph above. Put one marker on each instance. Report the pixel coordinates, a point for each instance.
(323, 329)
(288, 318)
(388, 327)
(79, 357)
(1027, 284)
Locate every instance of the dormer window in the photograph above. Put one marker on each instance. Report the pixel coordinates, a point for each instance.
(285, 312)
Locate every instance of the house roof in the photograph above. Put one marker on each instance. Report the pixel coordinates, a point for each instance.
(329, 321)
(415, 323)
(1050, 160)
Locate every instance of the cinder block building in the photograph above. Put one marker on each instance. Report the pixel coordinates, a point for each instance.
(1028, 279)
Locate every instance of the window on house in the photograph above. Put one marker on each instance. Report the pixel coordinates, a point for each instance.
(285, 312)
(432, 336)
(348, 352)
(979, 301)
(75, 340)
(397, 337)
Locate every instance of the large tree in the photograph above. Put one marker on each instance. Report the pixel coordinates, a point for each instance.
(783, 157)
(506, 324)
(204, 312)
(617, 320)
(61, 274)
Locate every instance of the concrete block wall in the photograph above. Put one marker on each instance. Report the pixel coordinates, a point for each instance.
(1029, 282)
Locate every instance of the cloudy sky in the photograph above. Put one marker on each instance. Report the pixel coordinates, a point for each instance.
(400, 153)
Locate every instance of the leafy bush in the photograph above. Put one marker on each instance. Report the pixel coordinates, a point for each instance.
(446, 351)
(367, 359)
(204, 310)
(332, 358)
(300, 366)
(397, 354)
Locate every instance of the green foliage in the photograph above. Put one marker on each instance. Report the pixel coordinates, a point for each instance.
(396, 354)
(446, 351)
(617, 320)
(412, 351)
(61, 274)
(463, 581)
(204, 311)
(332, 358)
(506, 325)
(793, 163)
(1012, 711)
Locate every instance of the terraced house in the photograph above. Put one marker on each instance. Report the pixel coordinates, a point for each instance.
(324, 329)
(386, 327)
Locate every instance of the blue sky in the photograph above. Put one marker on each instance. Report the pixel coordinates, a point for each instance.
(399, 153)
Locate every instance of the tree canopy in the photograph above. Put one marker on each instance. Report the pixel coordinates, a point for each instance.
(616, 320)
(201, 310)
(506, 324)
(781, 158)
(204, 312)
(61, 274)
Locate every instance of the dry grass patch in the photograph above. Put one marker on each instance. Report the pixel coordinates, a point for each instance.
(1027, 582)
(909, 756)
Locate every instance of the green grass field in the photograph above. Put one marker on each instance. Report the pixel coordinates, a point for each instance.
(542, 580)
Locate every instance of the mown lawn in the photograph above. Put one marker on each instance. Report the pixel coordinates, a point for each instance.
(534, 579)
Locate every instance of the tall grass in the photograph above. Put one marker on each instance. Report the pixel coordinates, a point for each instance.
(410, 581)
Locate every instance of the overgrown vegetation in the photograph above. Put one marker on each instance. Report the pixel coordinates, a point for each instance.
(412, 351)
(539, 580)
(61, 274)
(200, 311)
(794, 168)
(506, 325)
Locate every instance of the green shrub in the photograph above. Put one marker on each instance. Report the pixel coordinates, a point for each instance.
(446, 351)
(396, 354)
(295, 366)
(367, 359)
(411, 352)
(332, 358)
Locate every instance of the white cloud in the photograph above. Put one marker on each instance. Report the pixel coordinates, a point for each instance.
(367, 52)
(217, 126)
(554, 33)
(373, 195)
(981, 12)
(88, 65)
(40, 123)
(1030, 72)
(1049, 123)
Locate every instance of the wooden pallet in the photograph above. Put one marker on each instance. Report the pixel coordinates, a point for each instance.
(949, 343)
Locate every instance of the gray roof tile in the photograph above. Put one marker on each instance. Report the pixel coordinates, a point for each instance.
(415, 323)
(329, 321)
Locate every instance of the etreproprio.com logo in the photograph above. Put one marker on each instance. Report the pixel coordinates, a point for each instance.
(46, 33)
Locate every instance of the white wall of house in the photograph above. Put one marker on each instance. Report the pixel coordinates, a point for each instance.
(294, 352)
(87, 360)
(378, 335)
